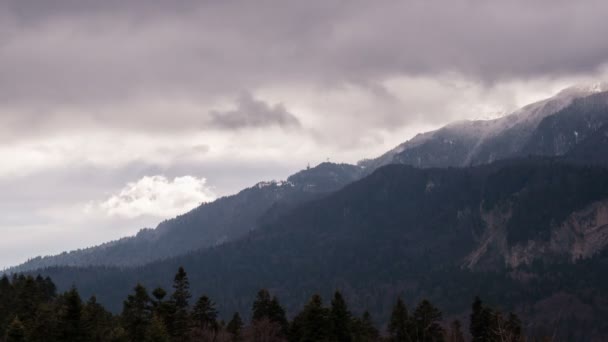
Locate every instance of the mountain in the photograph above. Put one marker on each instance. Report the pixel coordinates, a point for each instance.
(549, 128)
(594, 148)
(211, 223)
(566, 124)
(529, 234)
(513, 209)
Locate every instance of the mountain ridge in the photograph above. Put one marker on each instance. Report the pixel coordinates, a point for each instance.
(473, 142)
(209, 224)
(404, 231)
(455, 145)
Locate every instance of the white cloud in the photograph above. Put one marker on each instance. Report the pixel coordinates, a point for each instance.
(158, 196)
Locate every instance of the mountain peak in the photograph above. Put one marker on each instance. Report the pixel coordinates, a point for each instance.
(585, 89)
(465, 143)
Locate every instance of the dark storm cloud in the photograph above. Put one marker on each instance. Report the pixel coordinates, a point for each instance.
(100, 54)
(250, 112)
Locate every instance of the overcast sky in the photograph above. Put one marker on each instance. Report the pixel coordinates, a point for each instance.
(117, 114)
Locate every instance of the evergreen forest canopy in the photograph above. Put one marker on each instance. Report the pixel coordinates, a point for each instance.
(32, 310)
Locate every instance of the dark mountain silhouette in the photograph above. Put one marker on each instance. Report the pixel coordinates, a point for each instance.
(527, 233)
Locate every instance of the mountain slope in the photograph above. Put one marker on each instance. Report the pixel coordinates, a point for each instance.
(594, 149)
(548, 128)
(417, 232)
(561, 132)
(567, 124)
(210, 224)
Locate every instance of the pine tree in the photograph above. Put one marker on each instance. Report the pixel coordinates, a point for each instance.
(159, 294)
(312, 324)
(181, 285)
(235, 327)
(399, 321)
(71, 328)
(480, 326)
(15, 331)
(364, 329)
(96, 320)
(340, 319)
(28, 297)
(45, 324)
(204, 314)
(425, 322)
(6, 305)
(137, 314)
(261, 305)
(476, 327)
(180, 305)
(157, 332)
(162, 308)
(277, 315)
(49, 288)
(267, 307)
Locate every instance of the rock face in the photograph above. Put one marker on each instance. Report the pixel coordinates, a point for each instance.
(492, 245)
(583, 234)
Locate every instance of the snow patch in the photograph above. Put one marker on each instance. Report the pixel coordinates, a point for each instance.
(274, 183)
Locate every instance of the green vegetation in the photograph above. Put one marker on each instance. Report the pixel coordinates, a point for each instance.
(32, 311)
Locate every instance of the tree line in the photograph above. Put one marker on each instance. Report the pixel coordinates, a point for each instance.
(31, 310)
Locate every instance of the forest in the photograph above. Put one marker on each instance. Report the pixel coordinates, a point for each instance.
(32, 310)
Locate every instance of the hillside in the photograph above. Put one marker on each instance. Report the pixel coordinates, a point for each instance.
(525, 233)
(569, 124)
(210, 224)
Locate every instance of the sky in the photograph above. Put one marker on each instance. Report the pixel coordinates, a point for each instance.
(118, 114)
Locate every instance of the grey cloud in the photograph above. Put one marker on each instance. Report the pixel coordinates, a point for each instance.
(250, 112)
(158, 66)
(94, 59)
(75, 51)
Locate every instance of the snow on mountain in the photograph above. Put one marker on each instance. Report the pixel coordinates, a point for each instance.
(275, 183)
(480, 141)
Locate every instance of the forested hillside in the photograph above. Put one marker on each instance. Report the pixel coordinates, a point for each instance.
(443, 234)
(303, 171)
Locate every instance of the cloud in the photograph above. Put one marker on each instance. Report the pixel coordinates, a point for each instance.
(95, 94)
(112, 51)
(158, 196)
(250, 112)
(159, 66)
